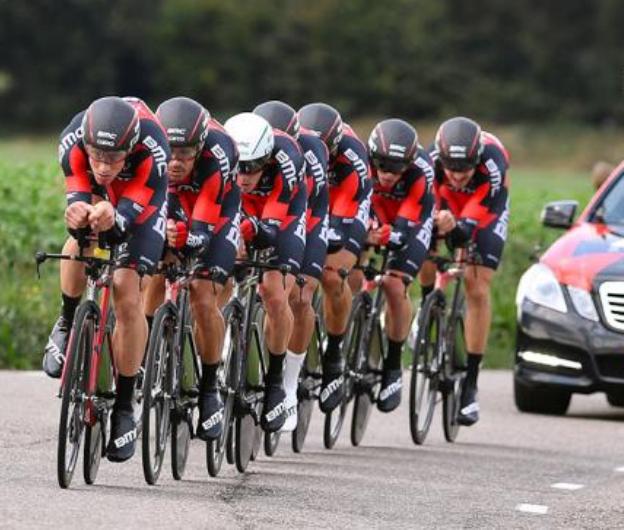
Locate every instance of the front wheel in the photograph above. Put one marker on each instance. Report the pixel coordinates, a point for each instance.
(425, 369)
(74, 391)
(454, 367)
(157, 392)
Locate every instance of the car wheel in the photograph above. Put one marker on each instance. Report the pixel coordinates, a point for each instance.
(540, 400)
(616, 399)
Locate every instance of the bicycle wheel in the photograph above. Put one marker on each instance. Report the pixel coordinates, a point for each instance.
(74, 386)
(229, 444)
(229, 376)
(425, 372)
(187, 380)
(454, 365)
(95, 434)
(247, 433)
(370, 358)
(350, 347)
(156, 393)
(271, 441)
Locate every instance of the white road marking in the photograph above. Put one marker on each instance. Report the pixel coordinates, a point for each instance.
(619, 469)
(537, 509)
(567, 486)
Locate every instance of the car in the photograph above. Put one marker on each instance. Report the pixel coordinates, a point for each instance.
(570, 307)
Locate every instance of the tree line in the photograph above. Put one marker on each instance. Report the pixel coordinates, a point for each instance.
(528, 61)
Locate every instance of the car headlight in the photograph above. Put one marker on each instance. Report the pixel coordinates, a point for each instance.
(583, 303)
(540, 285)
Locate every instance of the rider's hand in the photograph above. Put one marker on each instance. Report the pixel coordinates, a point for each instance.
(77, 215)
(379, 235)
(177, 233)
(445, 221)
(102, 217)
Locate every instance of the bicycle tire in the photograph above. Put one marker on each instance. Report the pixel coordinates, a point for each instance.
(156, 394)
(181, 418)
(247, 433)
(454, 362)
(425, 355)
(334, 419)
(228, 382)
(271, 442)
(370, 355)
(75, 377)
(95, 435)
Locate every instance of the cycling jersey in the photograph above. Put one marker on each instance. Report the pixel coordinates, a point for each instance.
(138, 193)
(408, 207)
(208, 200)
(278, 203)
(482, 206)
(316, 158)
(350, 189)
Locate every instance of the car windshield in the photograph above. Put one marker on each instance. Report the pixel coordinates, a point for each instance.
(610, 208)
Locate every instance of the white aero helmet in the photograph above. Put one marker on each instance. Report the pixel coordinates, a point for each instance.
(254, 139)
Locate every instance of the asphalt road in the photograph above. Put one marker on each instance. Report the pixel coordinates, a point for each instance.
(499, 474)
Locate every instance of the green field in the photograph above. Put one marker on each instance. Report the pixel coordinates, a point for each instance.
(31, 209)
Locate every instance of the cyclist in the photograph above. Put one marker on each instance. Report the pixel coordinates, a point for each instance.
(203, 216)
(283, 117)
(114, 156)
(403, 204)
(273, 191)
(350, 190)
(472, 203)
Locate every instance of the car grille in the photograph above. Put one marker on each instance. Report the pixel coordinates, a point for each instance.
(612, 300)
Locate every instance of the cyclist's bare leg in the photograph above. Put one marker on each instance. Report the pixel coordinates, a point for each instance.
(73, 279)
(398, 307)
(426, 276)
(275, 290)
(338, 296)
(226, 292)
(130, 335)
(209, 323)
(153, 294)
(478, 307)
(301, 305)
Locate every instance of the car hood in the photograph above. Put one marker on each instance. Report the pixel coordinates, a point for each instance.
(587, 254)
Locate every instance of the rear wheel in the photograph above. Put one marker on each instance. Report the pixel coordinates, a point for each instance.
(74, 386)
(425, 372)
(229, 376)
(271, 441)
(157, 392)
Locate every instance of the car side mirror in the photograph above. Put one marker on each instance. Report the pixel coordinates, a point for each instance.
(559, 214)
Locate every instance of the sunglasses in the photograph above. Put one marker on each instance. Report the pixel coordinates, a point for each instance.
(247, 167)
(458, 165)
(389, 165)
(107, 157)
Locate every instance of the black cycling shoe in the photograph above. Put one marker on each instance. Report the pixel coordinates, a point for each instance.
(390, 392)
(54, 352)
(332, 387)
(210, 423)
(123, 435)
(469, 406)
(274, 409)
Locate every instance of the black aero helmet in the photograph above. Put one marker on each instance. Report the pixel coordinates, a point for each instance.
(393, 145)
(458, 143)
(111, 124)
(185, 121)
(280, 115)
(323, 120)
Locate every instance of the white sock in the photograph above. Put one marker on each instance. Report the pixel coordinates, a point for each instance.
(294, 361)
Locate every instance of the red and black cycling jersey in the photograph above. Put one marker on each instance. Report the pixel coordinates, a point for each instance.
(135, 193)
(316, 157)
(485, 197)
(408, 205)
(269, 201)
(200, 199)
(349, 178)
